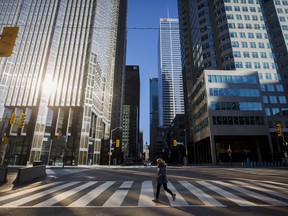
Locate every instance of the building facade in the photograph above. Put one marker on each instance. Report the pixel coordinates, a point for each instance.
(131, 114)
(171, 101)
(244, 36)
(154, 119)
(61, 76)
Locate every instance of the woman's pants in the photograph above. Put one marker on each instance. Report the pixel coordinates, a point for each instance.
(165, 188)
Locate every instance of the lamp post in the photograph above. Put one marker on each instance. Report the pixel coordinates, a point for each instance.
(111, 142)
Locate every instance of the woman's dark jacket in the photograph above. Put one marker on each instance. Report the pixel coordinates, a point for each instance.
(162, 176)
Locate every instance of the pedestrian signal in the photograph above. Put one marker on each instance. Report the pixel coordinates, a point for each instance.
(279, 130)
(117, 143)
(13, 118)
(22, 120)
(7, 41)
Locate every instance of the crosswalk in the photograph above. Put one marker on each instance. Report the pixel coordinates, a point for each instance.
(107, 194)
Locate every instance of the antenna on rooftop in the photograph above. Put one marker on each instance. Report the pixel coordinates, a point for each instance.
(168, 16)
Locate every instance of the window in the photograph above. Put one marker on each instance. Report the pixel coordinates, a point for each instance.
(279, 88)
(265, 99)
(265, 65)
(250, 35)
(252, 45)
(257, 65)
(282, 100)
(244, 44)
(254, 54)
(270, 88)
(248, 65)
(273, 99)
(263, 55)
(246, 54)
(258, 35)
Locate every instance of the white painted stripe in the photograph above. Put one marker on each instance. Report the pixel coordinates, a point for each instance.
(146, 195)
(64, 195)
(265, 190)
(277, 183)
(86, 199)
(236, 199)
(266, 199)
(38, 195)
(20, 193)
(180, 201)
(205, 198)
(118, 196)
(269, 185)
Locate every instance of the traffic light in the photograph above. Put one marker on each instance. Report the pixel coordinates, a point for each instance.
(13, 118)
(59, 135)
(7, 41)
(117, 143)
(22, 120)
(174, 142)
(279, 130)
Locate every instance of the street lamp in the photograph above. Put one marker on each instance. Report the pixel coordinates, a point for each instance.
(111, 142)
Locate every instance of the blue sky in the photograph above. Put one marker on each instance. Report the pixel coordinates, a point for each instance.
(142, 46)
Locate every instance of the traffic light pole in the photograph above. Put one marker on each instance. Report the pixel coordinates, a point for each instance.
(110, 144)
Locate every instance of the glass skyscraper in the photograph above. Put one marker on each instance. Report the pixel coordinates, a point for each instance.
(235, 37)
(171, 101)
(61, 76)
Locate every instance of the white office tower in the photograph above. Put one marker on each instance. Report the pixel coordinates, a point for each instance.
(171, 101)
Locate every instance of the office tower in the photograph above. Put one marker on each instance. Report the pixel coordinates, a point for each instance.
(235, 70)
(118, 88)
(61, 76)
(154, 119)
(171, 101)
(131, 114)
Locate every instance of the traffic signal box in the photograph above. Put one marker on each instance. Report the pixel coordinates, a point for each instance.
(59, 135)
(13, 118)
(7, 41)
(174, 142)
(117, 143)
(22, 120)
(279, 130)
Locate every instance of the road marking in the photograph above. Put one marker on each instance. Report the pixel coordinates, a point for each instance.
(268, 184)
(146, 195)
(17, 194)
(38, 195)
(118, 196)
(258, 196)
(236, 199)
(64, 195)
(180, 201)
(86, 199)
(205, 198)
(284, 196)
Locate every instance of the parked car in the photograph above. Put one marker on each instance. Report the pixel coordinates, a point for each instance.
(147, 163)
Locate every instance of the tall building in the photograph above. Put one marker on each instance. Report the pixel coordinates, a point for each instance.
(61, 77)
(118, 89)
(154, 119)
(131, 114)
(235, 70)
(171, 101)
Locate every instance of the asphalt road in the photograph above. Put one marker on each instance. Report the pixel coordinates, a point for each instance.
(102, 190)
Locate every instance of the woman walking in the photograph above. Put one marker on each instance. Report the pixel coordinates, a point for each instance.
(162, 179)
